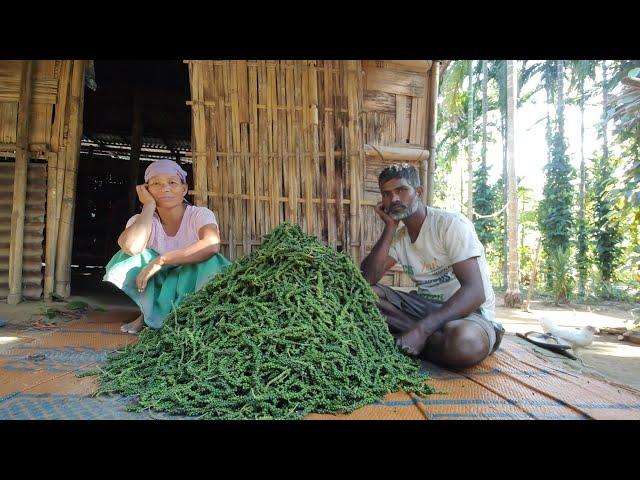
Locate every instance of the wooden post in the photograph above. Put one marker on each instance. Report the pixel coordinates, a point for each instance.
(355, 155)
(532, 284)
(136, 146)
(20, 186)
(428, 165)
(55, 162)
(65, 234)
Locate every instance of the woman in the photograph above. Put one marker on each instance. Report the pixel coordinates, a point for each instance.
(169, 250)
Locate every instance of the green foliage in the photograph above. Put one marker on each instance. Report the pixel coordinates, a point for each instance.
(606, 228)
(485, 202)
(77, 305)
(562, 283)
(290, 329)
(555, 216)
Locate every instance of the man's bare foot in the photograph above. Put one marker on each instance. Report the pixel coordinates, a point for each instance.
(133, 327)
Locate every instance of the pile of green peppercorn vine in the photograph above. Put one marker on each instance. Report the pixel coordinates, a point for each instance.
(288, 330)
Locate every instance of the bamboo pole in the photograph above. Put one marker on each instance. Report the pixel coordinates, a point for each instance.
(340, 128)
(134, 157)
(428, 164)
(354, 153)
(291, 146)
(312, 81)
(213, 177)
(329, 124)
(237, 172)
(65, 235)
(311, 147)
(54, 160)
(397, 154)
(199, 134)
(253, 143)
(274, 168)
(16, 244)
(229, 174)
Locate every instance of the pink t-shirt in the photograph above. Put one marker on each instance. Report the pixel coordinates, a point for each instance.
(193, 220)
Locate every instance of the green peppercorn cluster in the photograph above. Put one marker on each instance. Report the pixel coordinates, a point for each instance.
(288, 330)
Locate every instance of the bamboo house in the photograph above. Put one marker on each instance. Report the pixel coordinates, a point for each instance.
(263, 141)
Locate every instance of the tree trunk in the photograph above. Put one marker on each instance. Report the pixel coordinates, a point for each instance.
(605, 102)
(581, 275)
(484, 113)
(470, 145)
(534, 273)
(505, 267)
(512, 297)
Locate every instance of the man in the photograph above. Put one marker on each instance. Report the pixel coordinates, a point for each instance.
(450, 319)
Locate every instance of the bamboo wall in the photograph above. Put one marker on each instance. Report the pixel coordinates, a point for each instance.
(41, 119)
(303, 141)
(278, 141)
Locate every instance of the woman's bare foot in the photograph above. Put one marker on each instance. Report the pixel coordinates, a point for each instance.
(133, 327)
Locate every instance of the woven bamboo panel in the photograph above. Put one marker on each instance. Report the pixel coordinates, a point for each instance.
(53, 133)
(44, 95)
(279, 141)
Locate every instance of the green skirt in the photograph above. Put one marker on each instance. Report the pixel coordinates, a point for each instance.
(166, 288)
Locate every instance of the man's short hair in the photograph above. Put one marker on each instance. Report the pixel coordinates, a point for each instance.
(400, 170)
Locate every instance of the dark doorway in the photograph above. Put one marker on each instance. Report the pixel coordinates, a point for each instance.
(137, 110)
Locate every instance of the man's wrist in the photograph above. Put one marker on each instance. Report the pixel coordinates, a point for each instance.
(425, 326)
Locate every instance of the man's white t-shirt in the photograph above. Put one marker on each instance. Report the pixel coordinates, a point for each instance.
(444, 239)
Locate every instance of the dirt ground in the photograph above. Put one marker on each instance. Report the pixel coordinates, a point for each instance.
(614, 360)
(617, 361)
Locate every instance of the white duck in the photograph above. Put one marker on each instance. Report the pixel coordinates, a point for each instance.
(575, 338)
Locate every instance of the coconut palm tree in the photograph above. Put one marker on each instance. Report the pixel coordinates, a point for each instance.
(512, 297)
(581, 70)
(470, 143)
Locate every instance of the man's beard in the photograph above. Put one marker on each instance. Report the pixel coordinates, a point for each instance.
(408, 211)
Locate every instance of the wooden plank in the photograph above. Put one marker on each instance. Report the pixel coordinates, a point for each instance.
(377, 101)
(418, 121)
(402, 126)
(418, 66)
(397, 82)
(16, 243)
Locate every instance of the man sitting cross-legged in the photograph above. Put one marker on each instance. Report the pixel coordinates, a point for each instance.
(450, 319)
